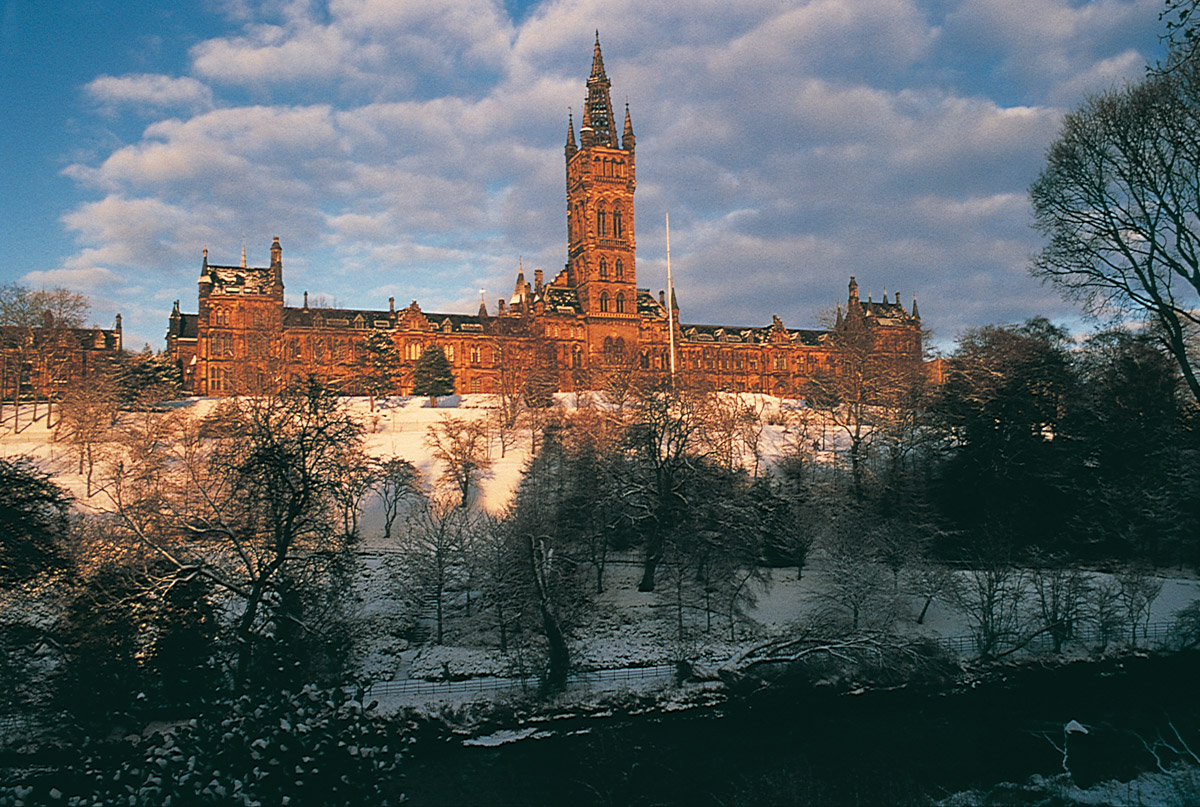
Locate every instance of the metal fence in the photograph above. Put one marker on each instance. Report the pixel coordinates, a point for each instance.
(423, 687)
(1153, 636)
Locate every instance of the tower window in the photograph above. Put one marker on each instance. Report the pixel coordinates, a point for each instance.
(604, 302)
(620, 269)
(618, 231)
(620, 303)
(601, 222)
(603, 268)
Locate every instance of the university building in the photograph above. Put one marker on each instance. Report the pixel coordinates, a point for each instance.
(44, 361)
(579, 330)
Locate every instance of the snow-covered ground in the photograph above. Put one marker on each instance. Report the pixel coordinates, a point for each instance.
(626, 628)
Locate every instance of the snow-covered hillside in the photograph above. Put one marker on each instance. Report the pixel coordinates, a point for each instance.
(626, 627)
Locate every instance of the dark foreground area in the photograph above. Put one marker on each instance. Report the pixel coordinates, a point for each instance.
(793, 746)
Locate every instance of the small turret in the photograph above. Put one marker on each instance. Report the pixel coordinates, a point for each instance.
(853, 290)
(570, 148)
(276, 263)
(628, 141)
(915, 314)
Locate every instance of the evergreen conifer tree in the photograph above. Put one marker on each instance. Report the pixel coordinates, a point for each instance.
(432, 375)
(382, 366)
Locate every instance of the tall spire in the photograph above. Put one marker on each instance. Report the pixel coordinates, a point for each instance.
(597, 129)
(597, 59)
(628, 140)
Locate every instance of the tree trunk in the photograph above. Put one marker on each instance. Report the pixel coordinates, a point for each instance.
(654, 553)
(438, 604)
(556, 676)
(924, 610)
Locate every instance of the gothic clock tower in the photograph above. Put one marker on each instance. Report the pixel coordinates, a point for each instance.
(600, 183)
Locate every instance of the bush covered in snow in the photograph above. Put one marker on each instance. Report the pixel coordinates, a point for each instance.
(309, 747)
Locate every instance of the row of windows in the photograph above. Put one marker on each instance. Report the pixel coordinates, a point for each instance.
(714, 360)
(611, 167)
(610, 222)
(604, 303)
(223, 318)
(620, 269)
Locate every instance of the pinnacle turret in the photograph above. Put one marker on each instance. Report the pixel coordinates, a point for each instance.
(571, 148)
(628, 141)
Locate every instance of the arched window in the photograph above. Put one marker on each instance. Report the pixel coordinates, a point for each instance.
(601, 223)
(620, 303)
(604, 302)
(645, 360)
(603, 268)
(620, 269)
(618, 230)
(576, 357)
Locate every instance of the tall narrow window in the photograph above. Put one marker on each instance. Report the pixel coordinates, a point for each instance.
(603, 269)
(620, 303)
(620, 269)
(604, 302)
(618, 231)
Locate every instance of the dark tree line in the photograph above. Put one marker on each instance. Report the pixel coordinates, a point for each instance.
(1087, 450)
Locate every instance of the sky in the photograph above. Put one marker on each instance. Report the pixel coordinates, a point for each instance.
(415, 149)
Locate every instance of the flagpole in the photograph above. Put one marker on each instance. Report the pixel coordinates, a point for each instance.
(670, 301)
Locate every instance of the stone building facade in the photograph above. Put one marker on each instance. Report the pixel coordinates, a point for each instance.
(44, 361)
(588, 325)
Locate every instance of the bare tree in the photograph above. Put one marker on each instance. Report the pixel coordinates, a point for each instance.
(87, 413)
(38, 322)
(928, 580)
(1138, 591)
(992, 597)
(856, 583)
(462, 447)
(1119, 199)
(732, 429)
(245, 498)
(663, 441)
(395, 481)
(354, 481)
(1105, 612)
(431, 546)
(1062, 595)
(500, 566)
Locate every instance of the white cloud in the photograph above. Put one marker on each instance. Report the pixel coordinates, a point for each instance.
(416, 147)
(95, 278)
(150, 92)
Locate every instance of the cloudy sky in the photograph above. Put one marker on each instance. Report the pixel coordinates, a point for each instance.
(413, 148)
